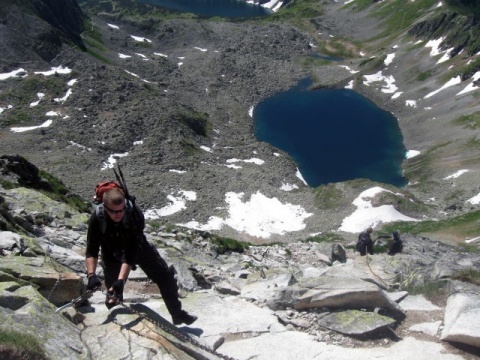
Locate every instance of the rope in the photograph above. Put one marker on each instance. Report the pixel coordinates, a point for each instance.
(170, 330)
(378, 276)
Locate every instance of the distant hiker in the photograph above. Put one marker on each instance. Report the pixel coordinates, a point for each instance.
(365, 243)
(116, 227)
(397, 245)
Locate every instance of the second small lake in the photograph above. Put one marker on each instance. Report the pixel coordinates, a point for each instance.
(333, 135)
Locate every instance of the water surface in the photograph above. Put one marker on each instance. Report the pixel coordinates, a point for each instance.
(222, 8)
(333, 135)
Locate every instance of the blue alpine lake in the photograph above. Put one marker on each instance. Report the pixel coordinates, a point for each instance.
(221, 8)
(332, 135)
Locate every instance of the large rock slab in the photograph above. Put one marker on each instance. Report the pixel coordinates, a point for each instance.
(59, 288)
(219, 315)
(354, 322)
(462, 319)
(417, 303)
(24, 310)
(345, 293)
(296, 345)
(32, 203)
(262, 290)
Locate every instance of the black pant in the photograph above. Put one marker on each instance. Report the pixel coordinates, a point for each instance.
(156, 269)
(364, 247)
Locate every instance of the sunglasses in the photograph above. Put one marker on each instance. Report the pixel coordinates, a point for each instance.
(114, 211)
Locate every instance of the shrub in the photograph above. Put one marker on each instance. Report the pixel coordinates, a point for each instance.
(20, 346)
(224, 244)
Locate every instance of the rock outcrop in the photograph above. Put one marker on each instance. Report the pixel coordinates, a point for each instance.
(246, 302)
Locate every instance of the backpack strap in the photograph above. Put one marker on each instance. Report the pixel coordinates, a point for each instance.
(100, 213)
(128, 214)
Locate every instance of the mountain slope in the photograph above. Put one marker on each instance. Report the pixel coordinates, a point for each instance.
(170, 99)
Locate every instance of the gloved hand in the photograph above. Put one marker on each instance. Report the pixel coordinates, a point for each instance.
(94, 282)
(115, 294)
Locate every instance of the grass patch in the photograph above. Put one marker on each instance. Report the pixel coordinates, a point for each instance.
(380, 248)
(189, 147)
(18, 341)
(420, 168)
(469, 248)
(195, 120)
(300, 13)
(224, 245)
(324, 238)
(314, 62)
(405, 203)
(466, 225)
(430, 290)
(471, 276)
(328, 196)
(470, 121)
(99, 56)
(424, 75)
(398, 15)
(24, 91)
(16, 117)
(132, 10)
(60, 193)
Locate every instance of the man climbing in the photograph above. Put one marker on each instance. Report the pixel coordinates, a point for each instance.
(116, 227)
(397, 245)
(365, 243)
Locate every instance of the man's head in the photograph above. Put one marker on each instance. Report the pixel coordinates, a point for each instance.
(114, 204)
(369, 230)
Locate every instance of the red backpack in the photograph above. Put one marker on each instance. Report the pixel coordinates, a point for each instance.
(101, 188)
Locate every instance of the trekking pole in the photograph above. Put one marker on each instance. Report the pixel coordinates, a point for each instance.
(78, 300)
(123, 184)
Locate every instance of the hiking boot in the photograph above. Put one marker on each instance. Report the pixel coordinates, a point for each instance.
(184, 318)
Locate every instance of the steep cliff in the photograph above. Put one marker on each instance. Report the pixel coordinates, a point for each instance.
(38, 30)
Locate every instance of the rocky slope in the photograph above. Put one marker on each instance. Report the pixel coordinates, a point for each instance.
(303, 299)
(308, 300)
(175, 95)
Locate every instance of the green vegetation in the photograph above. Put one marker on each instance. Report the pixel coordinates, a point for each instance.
(23, 92)
(430, 290)
(224, 244)
(17, 341)
(155, 225)
(404, 203)
(131, 9)
(311, 61)
(470, 121)
(469, 276)
(469, 248)
(195, 120)
(424, 75)
(466, 225)
(419, 168)
(189, 147)
(397, 15)
(325, 238)
(380, 248)
(328, 196)
(60, 193)
(92, 38)
(300, 13)
(16, 117)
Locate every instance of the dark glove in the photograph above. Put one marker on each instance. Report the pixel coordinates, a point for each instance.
(94, 282)
(116, 294)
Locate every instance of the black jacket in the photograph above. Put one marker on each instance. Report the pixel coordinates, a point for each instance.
(120, 241)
